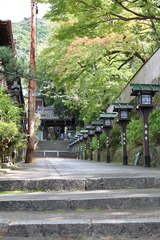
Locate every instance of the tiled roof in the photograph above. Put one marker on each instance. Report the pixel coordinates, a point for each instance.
(47, 113)
(122, 106)
(144, 87)
(84, 131)
(97, 122)
(108, 115)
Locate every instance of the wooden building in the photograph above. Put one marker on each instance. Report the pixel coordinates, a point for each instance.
(52, 127)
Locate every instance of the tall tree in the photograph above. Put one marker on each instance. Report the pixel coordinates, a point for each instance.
(31, 89)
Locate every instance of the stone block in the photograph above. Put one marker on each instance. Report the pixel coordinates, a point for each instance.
(132, 182)
(4, 227)
(126, 228)
(35, 205)
(95, 203)
(94, 184)
(73, 184)
(65, 228)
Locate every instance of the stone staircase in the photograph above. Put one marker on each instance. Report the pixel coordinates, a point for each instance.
(114, 206)
(102, 213)
(56, 148)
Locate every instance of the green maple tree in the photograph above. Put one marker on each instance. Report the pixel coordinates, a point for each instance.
(96, 48)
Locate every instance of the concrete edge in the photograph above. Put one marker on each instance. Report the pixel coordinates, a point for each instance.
(77, 228)
(79, 184)
(84, 203)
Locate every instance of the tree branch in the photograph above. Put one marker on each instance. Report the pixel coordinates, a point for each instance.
(141, 16)
(125, 62)
(136, 54)
(86, 4)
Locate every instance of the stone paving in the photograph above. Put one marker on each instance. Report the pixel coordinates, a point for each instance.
(73, 168)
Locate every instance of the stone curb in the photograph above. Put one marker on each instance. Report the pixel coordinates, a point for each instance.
(81, 228)
(79, 184)
(85, 203)
(4, 224)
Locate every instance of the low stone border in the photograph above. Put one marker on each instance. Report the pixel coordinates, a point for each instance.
(81, 228)
(79, 184)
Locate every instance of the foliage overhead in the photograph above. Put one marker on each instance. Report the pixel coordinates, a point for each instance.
(97, 47)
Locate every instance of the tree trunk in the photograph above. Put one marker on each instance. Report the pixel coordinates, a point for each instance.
(31, 89)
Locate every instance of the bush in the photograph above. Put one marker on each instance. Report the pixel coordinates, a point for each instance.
(115, 138)
(10, 138)
(10, 117)
(154, 126)
(135, 133)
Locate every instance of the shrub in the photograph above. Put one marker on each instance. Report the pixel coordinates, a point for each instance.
(10, 116)
(10, 138)
(154, 126)
(135, 133)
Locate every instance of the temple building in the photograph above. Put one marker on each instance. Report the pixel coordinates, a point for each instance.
(52, 127)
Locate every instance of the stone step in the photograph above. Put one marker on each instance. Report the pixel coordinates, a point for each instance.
(55, 154)
(83, 228)
(59, 183)
(52, 145)
(110, 206)
(110, 199)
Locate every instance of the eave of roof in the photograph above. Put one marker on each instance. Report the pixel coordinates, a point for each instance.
(108, 115)
(6, 36)
(144, 88)
(118, 106)
(47, 114)
(97, 122)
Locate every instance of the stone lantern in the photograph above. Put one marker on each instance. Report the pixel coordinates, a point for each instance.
(107, 126)
(123, 110)
(91, 132)
(98, 130)
(80, 139)
(145, 93)
(75, 143)
(85, 137)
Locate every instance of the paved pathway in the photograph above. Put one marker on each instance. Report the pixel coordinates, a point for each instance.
(73, 168)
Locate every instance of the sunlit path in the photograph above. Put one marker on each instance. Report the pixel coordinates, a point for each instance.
(75, 168)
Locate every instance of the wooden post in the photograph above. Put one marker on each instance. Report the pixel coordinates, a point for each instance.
(145, 111)
(31, 88)
(107, 131)
(98, 147)
(123, 125)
